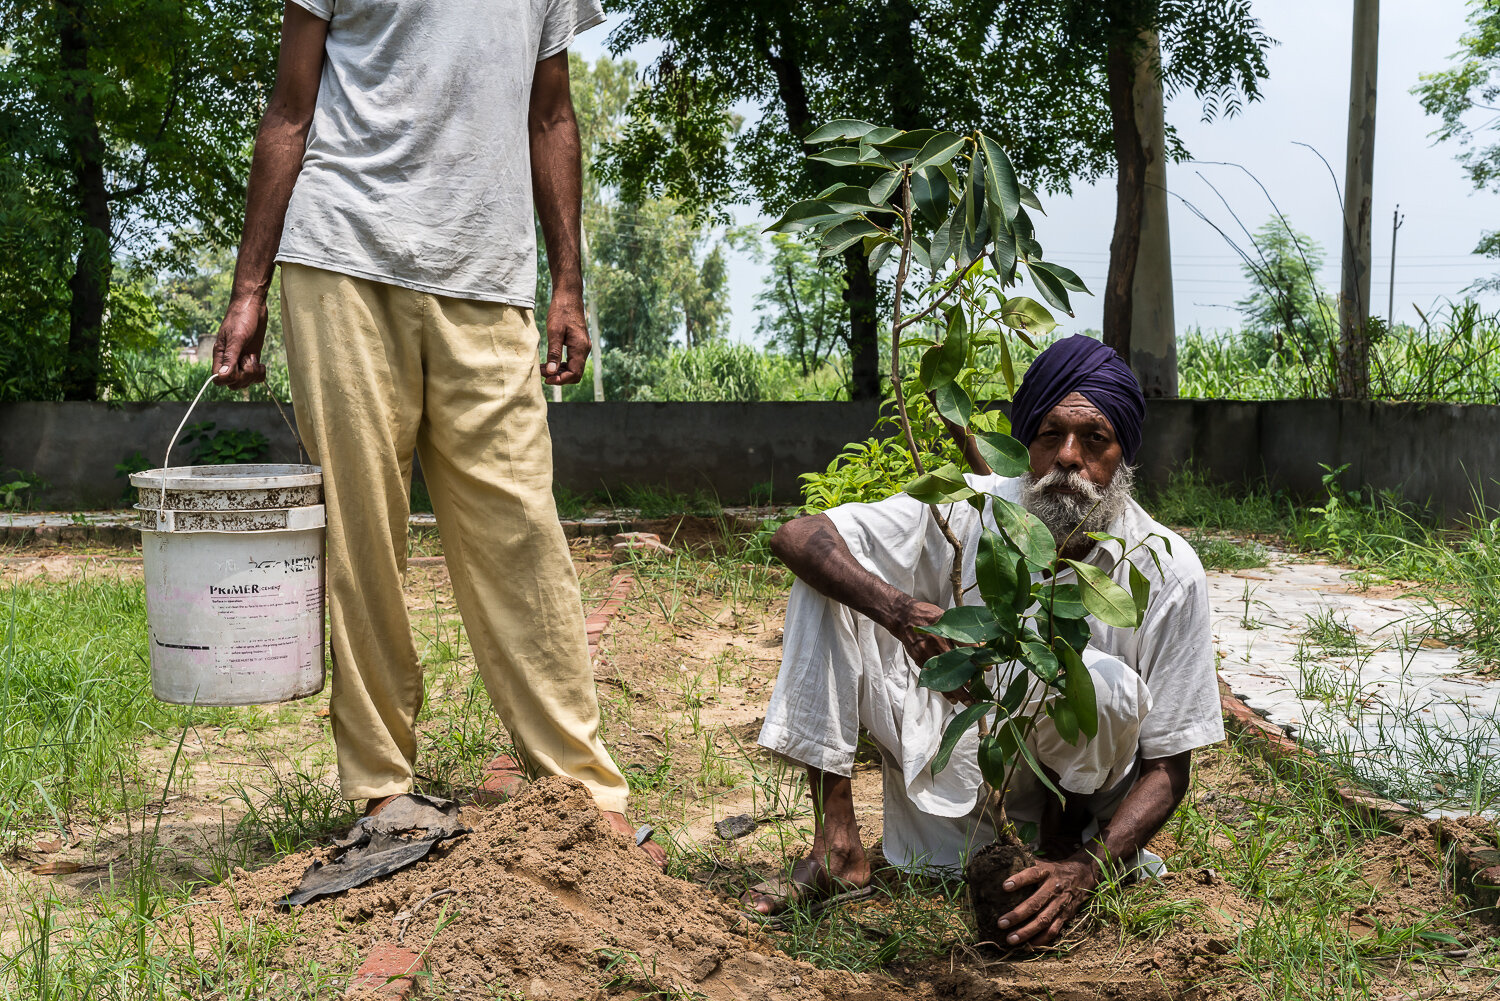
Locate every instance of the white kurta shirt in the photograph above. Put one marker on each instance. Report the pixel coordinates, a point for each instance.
(898, 540)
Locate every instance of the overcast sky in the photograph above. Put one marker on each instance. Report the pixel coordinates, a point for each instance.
(1305, 100)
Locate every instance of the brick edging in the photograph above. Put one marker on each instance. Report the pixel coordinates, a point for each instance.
(1477, 869)
(598, 620)
(389, 973)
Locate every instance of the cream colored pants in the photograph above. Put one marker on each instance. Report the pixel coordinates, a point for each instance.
(377, 371)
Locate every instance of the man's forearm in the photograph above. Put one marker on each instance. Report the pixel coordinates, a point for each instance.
(813, 550)
(279, 146)
(1146, 808)
(557, 190)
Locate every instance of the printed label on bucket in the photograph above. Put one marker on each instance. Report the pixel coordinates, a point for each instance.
(235, 618)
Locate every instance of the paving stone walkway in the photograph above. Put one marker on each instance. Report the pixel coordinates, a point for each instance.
(1355, 675)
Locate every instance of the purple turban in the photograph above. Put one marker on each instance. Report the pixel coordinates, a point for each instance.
(1080, 364)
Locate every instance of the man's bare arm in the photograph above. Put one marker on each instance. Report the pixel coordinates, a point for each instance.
(279, 146)
(1064, 885)
(812, 548)
(557, 191)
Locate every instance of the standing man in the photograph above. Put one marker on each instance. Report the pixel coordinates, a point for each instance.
(393, 179)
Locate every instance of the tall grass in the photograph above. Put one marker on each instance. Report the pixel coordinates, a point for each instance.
(1452, 356)
(75, 699)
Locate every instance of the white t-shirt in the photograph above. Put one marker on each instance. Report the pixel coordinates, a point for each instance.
(418, 163)
(1172, 650)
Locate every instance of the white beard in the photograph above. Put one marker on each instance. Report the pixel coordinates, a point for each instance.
(1091, 509)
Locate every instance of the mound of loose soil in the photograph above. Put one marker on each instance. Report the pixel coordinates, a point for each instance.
(549, 901)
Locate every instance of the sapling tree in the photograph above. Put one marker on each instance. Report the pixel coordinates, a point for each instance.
(950, 212)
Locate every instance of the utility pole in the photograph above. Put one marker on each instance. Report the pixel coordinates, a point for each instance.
(596, 336)
(1153, 324)
(1390, 305)
(1359, 184)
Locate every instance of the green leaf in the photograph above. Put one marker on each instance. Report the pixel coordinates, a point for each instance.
(1005, 455)
(1106, 601)
(877, 136)
(852, 198)
(929, 193)
(993, 763)
(1051, 289)
(1038, 656)
(939, 149)
(953, 403)
(1030, 758)
(880, 191)
(943, 485)
(966, 624)
(1008, 368)
(1026, 532)
(846, 235)
(1001, 177)
(1067, 279)
(1004, 256)
(842, 156)
(1074, 632)
(1140, 592)
(904, 146)
(805, 215)
(941, 364)
(942, 243)
(1029, 198)
(879, 255)
(1064, 601)
(1078, 689)
(843, 128)
(1016, 692)
(995, 570)
(971, 247)
(953, 669)
(954, 732)
(1065, 719)
(1021, 313)
(973, 200)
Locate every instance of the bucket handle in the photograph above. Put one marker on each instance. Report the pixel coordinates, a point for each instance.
(167, 459)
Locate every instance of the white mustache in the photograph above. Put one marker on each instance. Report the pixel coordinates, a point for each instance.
(1071, 479)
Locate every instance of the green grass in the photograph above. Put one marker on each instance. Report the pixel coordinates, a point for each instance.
(1299, 857)
(76, 703)
(1220, 553)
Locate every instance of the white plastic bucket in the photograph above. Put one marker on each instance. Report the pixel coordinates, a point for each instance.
(234, 581)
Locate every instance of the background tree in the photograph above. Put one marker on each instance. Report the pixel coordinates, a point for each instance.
(653, 272)
(1287, 315)
(1472, 84)
(1050, 79)
(801, 305)
(118, 119)
(648, 282)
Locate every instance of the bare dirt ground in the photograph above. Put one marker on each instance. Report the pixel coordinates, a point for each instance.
(548, 903)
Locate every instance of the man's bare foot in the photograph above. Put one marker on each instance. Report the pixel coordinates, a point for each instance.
(820, 875)
(653, 851)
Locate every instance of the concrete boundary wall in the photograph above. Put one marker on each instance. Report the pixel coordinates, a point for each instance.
(1435, 453)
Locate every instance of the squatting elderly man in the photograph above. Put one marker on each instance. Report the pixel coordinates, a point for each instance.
(870, 574)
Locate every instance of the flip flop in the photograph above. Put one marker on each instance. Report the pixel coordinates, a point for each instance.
(791, 893)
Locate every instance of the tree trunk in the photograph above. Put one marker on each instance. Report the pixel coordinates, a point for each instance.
(859, 290)
(1153, 322)
(1130, 195)
(1359, 180)
(89, 285)
(864, 328)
